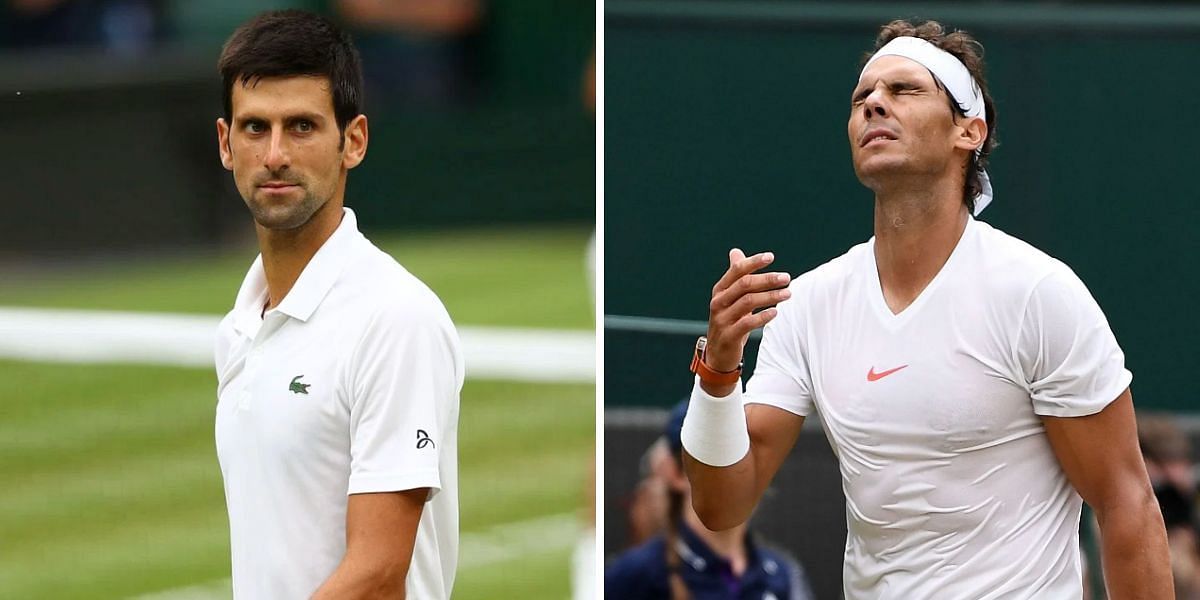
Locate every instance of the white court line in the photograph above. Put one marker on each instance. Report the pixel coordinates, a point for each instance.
(216, 590)
(501, 543)
(91, 336)
(496, 544)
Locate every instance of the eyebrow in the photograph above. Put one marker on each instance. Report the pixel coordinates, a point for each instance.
(291, 118)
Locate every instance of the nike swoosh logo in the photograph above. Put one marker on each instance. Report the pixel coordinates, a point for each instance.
(873, 376)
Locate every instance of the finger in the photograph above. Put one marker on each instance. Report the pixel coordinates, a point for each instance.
(738, 263)
(752, 302)
(743, 267)
(722, 321)
(753, 321)
(748, 284)
(735, 256)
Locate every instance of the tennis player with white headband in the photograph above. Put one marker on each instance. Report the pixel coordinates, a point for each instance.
(968, 383)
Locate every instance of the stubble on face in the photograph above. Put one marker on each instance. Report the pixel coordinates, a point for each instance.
(283, 194)
(283, 213)
(915, 108)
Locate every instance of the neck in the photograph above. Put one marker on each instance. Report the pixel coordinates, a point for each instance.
(916, 230)
(285, 253)
(729, 544)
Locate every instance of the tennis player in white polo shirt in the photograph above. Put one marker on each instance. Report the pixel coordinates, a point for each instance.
(338, 371)
(969, 385)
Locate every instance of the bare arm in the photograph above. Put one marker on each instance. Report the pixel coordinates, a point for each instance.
(381, 530)
(724, 497)
(1100, 456)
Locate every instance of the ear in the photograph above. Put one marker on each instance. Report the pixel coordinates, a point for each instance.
(677, 480)
(972, 133)
(356, 142)
(223, 144)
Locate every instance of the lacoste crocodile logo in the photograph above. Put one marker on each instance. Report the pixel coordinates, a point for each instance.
(298, 388)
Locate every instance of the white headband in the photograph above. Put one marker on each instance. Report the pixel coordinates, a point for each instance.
(954, 76)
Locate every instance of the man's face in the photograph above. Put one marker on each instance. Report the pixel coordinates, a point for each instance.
(901, 123)
(285, 150)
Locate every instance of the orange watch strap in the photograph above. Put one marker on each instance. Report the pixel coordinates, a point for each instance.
(706, 373)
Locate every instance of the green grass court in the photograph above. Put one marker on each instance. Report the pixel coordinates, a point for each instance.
(111, 485)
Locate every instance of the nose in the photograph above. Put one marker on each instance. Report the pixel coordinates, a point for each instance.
(277, 157)
(875, 105)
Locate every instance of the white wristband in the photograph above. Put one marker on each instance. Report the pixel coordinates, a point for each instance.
(714, 429)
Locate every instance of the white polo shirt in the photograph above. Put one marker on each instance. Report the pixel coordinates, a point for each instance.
(350, 385)
(952, 490)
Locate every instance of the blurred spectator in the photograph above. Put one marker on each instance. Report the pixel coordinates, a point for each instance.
(687, 561)
(1168, 462)
(127, 27)
(648, 504)
(443, 17)
(415, 51)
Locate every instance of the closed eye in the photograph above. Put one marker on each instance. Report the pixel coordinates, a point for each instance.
(899, 87)
(895, 87)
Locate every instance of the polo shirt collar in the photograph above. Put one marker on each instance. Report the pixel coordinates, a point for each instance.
(310, 288)
(322, 270)
(250, 299)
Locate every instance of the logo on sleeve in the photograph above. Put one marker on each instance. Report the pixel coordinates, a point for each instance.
(423, 440)
(298, 388)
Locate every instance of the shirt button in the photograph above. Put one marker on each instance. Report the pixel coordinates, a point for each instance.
(243, 402)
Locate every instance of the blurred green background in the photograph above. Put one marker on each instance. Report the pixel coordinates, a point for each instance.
(480, 119)
(480, 180)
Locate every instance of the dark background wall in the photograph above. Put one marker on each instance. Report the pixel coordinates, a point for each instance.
(106, 153)
(725, 126)
(728, 129)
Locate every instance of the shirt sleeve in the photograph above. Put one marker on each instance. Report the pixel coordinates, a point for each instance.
(1068, 355)
(406, 376)
(781, 377)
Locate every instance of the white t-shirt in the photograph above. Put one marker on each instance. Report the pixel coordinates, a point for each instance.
(952, 490)
(350, 385)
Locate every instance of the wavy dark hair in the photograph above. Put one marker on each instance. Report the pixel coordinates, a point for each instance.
(969, 51)
(294, 42)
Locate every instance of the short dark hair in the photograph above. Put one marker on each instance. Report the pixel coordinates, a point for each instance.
(294, 42)
(969, 51)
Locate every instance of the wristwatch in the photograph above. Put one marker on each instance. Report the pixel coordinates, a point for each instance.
(706, 373)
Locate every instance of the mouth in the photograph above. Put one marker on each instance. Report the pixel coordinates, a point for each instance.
(877, 136)
(277, 187)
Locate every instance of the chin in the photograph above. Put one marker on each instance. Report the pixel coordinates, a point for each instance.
(283, 217)
(875, 168)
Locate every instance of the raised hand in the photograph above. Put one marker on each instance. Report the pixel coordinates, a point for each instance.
(731, 313)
